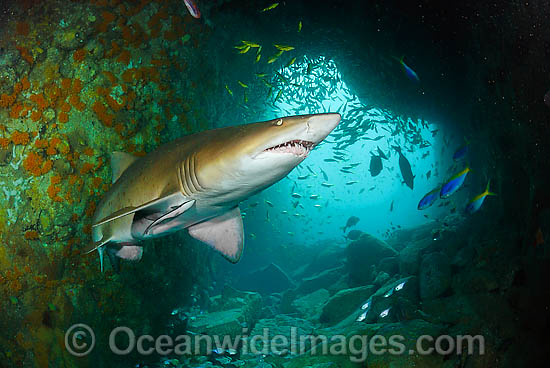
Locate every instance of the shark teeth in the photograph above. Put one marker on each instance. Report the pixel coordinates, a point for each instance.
(297, 147)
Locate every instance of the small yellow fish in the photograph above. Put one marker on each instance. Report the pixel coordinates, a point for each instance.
(272, 6)
(241, 47)
(245, 96)
(292, 61)
(274, 57)
(245, 50)
(299, 26)
(249, 43)
(262, 75)
(284, 47)
(258, 57)
(229, 90)
(242, 84)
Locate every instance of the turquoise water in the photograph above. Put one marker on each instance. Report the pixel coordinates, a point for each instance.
(80, 80)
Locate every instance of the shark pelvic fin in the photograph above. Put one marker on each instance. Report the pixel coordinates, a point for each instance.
(120, 161)
(223, 233)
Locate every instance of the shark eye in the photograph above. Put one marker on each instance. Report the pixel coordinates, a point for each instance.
(279, 122)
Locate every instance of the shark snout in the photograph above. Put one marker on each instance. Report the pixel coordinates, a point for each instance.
(319, 126)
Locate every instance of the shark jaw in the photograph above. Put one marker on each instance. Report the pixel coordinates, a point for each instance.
(295, 147)
(197, 182)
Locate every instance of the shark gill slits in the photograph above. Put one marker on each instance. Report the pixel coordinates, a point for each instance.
(192, 173)
(185, 178)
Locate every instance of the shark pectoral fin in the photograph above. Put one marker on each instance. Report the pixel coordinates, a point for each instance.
(174, 212)
(223, 233)
(120, 161)
(156, 205)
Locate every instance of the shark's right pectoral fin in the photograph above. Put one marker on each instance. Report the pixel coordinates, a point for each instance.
(224, 233)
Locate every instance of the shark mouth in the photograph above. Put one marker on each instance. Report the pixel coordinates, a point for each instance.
(297, 147)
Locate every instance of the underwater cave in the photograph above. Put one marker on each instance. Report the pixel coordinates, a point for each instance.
(230, 183)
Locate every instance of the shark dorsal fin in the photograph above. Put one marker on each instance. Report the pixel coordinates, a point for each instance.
(120, 161)
(223, 233)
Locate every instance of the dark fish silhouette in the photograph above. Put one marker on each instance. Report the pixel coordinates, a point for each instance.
(405, 166)
(325, 176)
(375, 165)
(352, 221)
(374, 139)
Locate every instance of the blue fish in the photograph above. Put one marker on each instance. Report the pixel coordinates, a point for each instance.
(475, 204)
(428, 199)
(461, 152)
(408, 70)
(454, 183)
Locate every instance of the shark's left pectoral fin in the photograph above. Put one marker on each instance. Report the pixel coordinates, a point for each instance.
(224, 233)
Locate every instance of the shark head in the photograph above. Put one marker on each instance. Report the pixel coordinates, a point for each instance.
(246, 159)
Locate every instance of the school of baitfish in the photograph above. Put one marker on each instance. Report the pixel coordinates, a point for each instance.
(310, 85)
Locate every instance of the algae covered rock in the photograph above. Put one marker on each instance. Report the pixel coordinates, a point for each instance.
(232, 313)
(410, 256)
(282, 325)
(407, 354)
(363, 253)
(249, 302)
(322, 280)
(344, 302)
(267, 280)
(435, 275)
(309, 306)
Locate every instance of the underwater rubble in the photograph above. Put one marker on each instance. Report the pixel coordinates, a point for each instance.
(435, 289)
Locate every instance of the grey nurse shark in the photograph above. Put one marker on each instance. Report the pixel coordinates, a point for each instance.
(197, 182)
